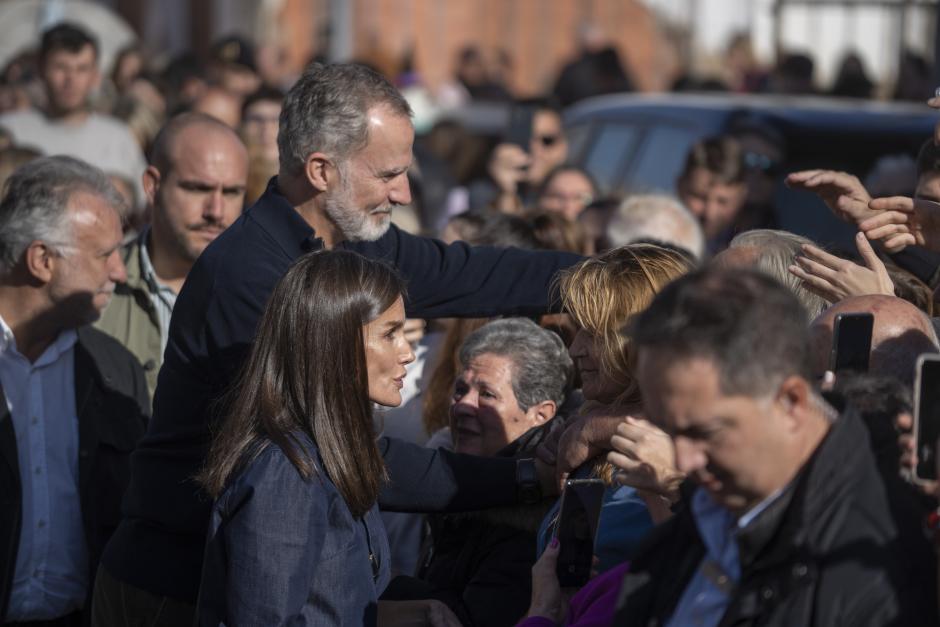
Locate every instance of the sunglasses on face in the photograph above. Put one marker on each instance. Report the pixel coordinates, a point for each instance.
(547, 140)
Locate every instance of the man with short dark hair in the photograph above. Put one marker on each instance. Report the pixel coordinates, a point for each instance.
(68, 66)
(713, 186)
(195, 185)
(73, 400)
(786, 521)
(345, 146)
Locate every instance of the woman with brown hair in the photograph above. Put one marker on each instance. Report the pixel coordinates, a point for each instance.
(602, 295)
(294, 468)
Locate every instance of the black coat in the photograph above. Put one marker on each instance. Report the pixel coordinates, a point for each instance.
(827, 553)
(112, 403)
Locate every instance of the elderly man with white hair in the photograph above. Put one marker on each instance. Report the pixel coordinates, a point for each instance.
(659, 218)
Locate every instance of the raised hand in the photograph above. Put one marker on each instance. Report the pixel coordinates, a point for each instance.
(835, 278)
(842, 192)
(902, 222)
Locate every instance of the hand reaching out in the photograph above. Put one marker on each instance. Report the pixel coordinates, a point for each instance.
(903, 222)
(842, 192)
(835, 278)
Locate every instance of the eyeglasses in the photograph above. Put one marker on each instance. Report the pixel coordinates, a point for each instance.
(547, 140)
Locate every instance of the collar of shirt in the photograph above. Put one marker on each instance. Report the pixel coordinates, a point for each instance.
(63, 342)
(276, 216)
(146, 267)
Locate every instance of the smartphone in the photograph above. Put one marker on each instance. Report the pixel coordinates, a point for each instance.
(578, 518)
(927, 416)
(851, 342)
(519, 131)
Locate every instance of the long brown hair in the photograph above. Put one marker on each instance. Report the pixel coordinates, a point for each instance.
(307, 374)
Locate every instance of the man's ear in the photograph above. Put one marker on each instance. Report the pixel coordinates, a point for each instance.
(40, 261)
(151, 180)
(321, 172)
(795, 396)
(543, 412)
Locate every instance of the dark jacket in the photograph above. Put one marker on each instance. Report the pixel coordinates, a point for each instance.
(826, 553)
(284, 550)
(480, 563)
(111, 402)
(158, 546)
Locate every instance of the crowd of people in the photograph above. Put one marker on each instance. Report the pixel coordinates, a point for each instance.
(239, 389)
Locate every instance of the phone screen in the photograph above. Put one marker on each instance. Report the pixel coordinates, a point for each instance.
(577, 526)
(519, 131)
(927, 416)
(851, 342)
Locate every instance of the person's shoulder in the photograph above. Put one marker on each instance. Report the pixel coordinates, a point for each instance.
(106, 351)
(109, 124)
(268, 468)
(24, 116)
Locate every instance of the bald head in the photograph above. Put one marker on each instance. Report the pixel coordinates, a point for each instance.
(195, 185)
(192, 126)
(900, 334)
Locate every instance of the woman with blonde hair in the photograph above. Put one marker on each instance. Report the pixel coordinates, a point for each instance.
(602, 295)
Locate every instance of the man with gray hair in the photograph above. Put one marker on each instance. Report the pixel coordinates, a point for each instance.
(787, 521)
(772, 252)
(74, 400)
(656, 218)
(345, 146)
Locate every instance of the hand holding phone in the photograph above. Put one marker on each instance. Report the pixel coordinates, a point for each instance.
(578, 520)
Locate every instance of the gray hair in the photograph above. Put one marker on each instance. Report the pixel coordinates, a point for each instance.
(776, 252)
(656, 217)
(326, 111)
(542, 369)
(35, 200)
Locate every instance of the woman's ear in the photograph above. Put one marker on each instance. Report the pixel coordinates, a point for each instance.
(543, 412)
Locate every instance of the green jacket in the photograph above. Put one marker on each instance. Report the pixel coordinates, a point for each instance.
(132, 319)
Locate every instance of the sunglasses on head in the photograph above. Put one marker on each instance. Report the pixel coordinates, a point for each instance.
(757, 161)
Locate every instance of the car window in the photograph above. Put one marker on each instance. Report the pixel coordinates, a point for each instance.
(660, 158)
(605, 157)
(577, 137)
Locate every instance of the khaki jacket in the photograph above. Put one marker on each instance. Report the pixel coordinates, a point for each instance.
(132, 319)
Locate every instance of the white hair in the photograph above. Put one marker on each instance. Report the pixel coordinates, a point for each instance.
(658, 218)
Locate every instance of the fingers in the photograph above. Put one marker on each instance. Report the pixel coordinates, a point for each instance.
(904, 421)
(816, 285)
(899, 243)
(817, 261)
(624, 461)
(799, 179)
(892, 203)
(869, 256)
(887, 222)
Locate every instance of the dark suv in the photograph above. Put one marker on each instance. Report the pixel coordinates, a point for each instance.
(633, 143)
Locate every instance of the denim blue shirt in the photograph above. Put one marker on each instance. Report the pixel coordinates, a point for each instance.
(623, 523)
(706, 598)
(287, 551)
(50, 578)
